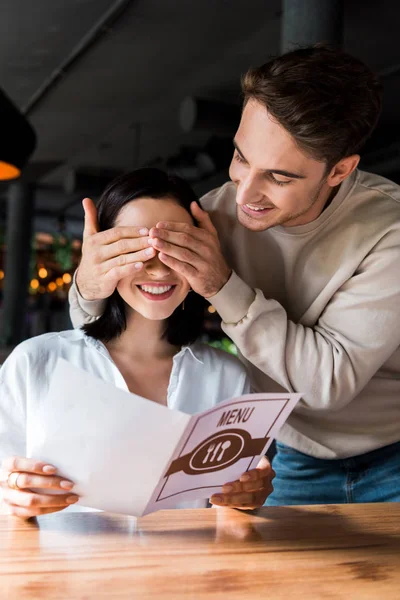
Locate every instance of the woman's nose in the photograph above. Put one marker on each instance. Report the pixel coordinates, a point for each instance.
(156, 268)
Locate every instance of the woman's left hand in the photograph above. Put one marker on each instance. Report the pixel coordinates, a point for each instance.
(249, 491)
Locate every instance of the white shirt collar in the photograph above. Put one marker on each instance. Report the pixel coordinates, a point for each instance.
(101, 347)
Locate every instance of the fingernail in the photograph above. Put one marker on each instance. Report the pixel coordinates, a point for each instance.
(245, 477)
(143, 231)
(149, 251)
(72, 499)
(159, 225)
(66, 485)
(49, 469)
(138, 265)
(227, 488)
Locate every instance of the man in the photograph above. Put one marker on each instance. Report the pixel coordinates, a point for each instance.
(306, 278)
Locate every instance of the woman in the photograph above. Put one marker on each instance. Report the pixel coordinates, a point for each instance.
(144, 343)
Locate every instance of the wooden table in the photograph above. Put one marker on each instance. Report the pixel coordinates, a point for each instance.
(347, 552)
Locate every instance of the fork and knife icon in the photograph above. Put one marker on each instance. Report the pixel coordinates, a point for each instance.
(214, 449)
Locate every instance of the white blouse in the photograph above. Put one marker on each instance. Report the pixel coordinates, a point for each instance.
(201, 377)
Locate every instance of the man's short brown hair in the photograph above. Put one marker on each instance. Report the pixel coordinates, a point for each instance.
(326, 99)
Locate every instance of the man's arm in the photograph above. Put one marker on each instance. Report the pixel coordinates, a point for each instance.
(83, 311)
(331, 362)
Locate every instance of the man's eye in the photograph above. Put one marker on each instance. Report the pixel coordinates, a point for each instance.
(238, 158)
(280, 182)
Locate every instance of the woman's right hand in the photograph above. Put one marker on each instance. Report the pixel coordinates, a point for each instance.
(23, 474)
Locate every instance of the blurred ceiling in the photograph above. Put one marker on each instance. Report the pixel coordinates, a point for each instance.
(102, 81)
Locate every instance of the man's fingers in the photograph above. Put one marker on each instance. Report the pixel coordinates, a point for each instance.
(184, 255)
(117, 273)
(177, 238)
(190, 230)
(128, 259)
(125, 246)
(202, 217)
(91, 226)
(29, 465)
(109, 236)
(183, 268)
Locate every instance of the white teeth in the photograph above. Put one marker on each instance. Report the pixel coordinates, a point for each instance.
(256, 207)
(156, 290)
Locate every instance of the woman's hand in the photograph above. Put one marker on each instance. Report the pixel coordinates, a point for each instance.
(17, 477)
(249, 491)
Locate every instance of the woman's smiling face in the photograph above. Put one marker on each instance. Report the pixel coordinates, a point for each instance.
(156, 291)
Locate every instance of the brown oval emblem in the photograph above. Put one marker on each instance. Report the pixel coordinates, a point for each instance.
(217, 452)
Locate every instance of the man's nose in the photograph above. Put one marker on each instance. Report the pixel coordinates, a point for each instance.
(247, 191)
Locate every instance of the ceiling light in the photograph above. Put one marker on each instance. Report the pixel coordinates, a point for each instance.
(17, 140)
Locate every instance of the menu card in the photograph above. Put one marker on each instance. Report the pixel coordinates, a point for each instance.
(127, 454)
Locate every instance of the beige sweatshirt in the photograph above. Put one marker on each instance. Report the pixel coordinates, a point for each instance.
(316, 309)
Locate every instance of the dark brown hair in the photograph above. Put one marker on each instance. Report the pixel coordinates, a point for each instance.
(183, 327)
(326, 99)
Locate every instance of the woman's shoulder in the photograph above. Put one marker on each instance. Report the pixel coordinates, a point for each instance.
(217, 376)
(38, 347)
(217, 358)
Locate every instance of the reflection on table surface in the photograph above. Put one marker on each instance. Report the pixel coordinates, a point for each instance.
(347, 551)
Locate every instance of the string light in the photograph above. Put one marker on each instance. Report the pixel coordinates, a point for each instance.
(52, 286)
(42, 273)
(35, 284)
(1, 275)
(211, 309)
(67, 278)
(60, 281)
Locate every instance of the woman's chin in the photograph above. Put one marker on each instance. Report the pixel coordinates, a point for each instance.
(155, 313)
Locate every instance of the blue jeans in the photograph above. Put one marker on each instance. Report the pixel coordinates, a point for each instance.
(303, 479)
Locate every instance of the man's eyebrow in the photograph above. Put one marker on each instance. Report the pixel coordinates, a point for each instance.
(269, 171)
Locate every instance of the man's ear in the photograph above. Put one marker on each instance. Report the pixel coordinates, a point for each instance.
(343, 169)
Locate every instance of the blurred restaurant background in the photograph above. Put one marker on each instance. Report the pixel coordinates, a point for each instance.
(90, 89)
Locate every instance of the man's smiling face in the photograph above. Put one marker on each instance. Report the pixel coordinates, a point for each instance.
(277, 183)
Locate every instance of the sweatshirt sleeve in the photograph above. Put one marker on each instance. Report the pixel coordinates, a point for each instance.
(83, 311)
(332, 361)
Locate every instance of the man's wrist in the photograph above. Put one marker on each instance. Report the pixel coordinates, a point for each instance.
(78, 287)
(224, 281)
(94, 308)
(233, 300)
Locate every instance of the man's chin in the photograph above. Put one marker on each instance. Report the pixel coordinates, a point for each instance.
(255, 223)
